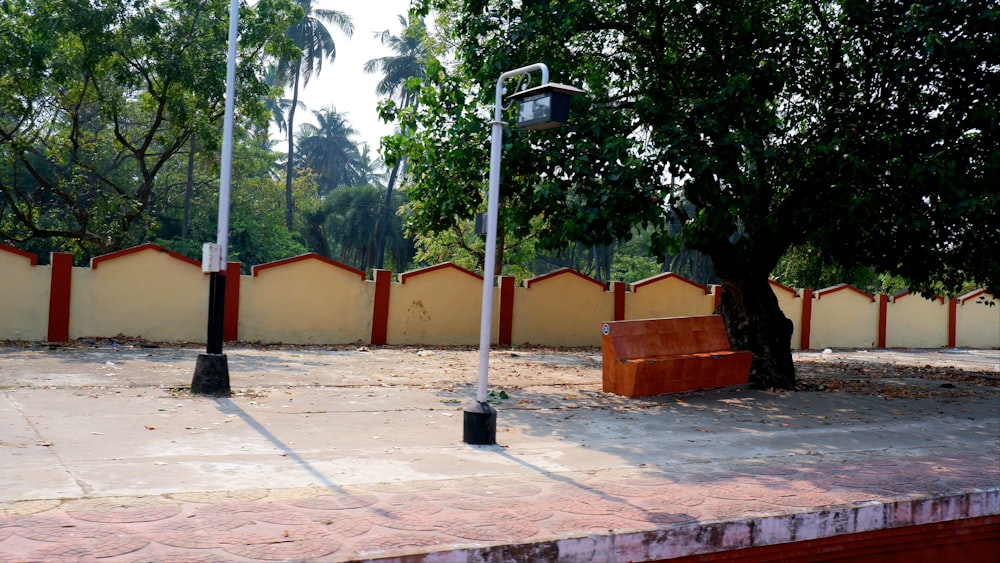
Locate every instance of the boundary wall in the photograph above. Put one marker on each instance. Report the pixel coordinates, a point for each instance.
(153, 293)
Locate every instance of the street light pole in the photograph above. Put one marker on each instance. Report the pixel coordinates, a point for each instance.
(480, 426)
(211, 373)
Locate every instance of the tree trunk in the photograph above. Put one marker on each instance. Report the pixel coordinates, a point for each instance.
(755, 322)
(290, 165)
(188, 190)
(501, 244)
(382, 227)
(603, 258)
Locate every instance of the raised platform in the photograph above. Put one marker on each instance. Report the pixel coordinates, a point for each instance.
(346, 457)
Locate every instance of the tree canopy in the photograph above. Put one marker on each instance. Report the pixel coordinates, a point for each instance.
(310, 35)
(98, 98)
(867, 130)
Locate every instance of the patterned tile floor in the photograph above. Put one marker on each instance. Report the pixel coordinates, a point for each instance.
(383, 521)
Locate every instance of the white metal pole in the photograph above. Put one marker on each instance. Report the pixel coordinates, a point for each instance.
(211, 373)
(493, 202)
(227, 138)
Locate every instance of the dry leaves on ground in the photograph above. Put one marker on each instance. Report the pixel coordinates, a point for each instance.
(895, 380)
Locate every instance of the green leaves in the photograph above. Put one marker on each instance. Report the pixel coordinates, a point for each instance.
(867, 130)
(99, 98)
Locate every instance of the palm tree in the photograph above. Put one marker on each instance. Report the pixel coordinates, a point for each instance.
(353, 210)
(311, 36)
(329, 149)
(278, 106)
(371, 170)
(408, 61)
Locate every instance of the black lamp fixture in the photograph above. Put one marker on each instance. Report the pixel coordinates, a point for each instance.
(544, 107)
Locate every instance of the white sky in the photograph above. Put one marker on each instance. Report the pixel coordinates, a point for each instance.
(343, 84)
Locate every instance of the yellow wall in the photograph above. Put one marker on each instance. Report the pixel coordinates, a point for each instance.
(978, 323)
(309, 301)
(915, 322)
(844, 319)
(438, 305)
(24, 300)
(791, 306)
(148, 294)
(565, 309)
(667, 295)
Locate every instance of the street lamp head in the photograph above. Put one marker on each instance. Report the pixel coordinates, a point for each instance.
(545, 106)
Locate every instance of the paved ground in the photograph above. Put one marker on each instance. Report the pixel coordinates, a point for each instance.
(356, 454)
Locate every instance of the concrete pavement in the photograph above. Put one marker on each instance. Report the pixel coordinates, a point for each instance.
(345, 455)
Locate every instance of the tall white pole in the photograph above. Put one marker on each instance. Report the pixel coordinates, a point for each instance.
(211, 372)
(227, 136)
(493, 202)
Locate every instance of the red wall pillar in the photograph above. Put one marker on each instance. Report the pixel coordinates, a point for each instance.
(231, 322)
(380, 311)
(883, 318)
(953, 322)
(60, 285)
(807, 314)
(505, 337)
(618, 288)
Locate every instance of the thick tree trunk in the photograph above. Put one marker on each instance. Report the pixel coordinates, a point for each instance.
(755, 322)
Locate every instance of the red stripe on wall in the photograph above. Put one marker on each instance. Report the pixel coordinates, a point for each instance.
(506, 333)
(380, 311)
(60, 286)
(969, 540)
(231, 322)
(718, 299)
(883, 321)
(952, 322)
(807, 314)
(619, 290)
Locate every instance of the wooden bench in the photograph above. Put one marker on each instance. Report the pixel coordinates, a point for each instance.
(670, 355)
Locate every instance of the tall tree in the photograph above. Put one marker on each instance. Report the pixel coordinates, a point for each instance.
(329, 149)
(353, 211)
(277, 104)
(865, 129)
(399, 71)
(97, 100)
(370, 168)
(312, 37)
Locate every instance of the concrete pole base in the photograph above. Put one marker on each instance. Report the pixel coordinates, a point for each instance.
(480, 424)
(211, 375)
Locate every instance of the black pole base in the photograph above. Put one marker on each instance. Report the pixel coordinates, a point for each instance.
(211, 375)
(480, 424)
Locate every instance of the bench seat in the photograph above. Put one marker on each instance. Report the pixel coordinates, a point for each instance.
(670, 355)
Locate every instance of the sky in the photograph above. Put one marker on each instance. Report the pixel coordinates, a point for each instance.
(343, 84)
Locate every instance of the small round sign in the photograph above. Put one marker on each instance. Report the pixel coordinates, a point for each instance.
(606, 329)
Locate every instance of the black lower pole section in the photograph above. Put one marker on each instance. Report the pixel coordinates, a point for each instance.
(480, 424)
(211, 375)
(211, 372)
(216, 312)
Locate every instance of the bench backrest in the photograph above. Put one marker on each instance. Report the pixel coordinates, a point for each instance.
(666, 336)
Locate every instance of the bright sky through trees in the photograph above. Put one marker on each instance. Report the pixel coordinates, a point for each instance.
(343, 84)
